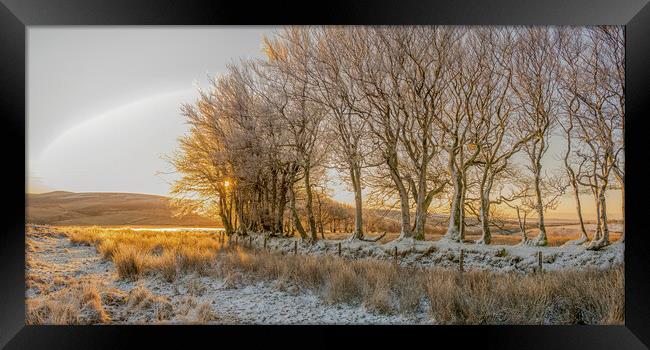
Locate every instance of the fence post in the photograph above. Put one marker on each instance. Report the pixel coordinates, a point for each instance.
(539, 262)
(250, 242)
(395, 254)
(265, 242)
(295, 247)
(339, 248)
(236, 239)
(461, 259)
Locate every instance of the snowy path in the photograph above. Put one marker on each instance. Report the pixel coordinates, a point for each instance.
(52, 259)
(262, 303)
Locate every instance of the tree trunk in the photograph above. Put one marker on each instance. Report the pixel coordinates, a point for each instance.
(241, 229)
(355, 175)
(522, 225)
(603, 216)
(420, 208)
(597, 231)
(405, 231)
(308, 206)
(282, 203)
(486, 186)
(454, 231)
(225, 220)
(603, 240)
(576, 194)
(320, 216)
(486, 236)
(541, 239)
(273, 202)
(296, 219)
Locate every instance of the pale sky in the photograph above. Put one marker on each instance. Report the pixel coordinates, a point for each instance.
(103, 104)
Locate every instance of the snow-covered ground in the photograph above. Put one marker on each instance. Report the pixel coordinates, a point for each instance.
(54, 263)
(446, 254)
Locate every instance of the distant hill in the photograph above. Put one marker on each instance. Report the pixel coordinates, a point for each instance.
(99, 208)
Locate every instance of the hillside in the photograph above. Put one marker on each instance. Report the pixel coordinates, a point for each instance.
(99, 208)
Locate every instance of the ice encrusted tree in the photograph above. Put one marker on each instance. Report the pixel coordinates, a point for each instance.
(461, 124)
(288, 71)
(601, 123)
(402, 73)
(570, 48)
(535, 83)
(496, 115)
(374, 70)
(610, 41)
(339, 95)
(410, 116)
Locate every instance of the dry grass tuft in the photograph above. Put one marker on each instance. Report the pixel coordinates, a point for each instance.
(141, 299)
(80, 303)
(166, 264)
(343, 285)
(107, 248)
(195, 287)
(205, 313)
(129, 262)
(197, 260)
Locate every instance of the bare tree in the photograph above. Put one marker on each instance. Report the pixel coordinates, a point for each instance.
(570, 48)
(495, 118)
(535, 86)
(404, 112)
(340, 95)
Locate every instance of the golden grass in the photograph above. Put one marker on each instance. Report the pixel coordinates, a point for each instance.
(76, 304)
(137, 253)
(451, 297)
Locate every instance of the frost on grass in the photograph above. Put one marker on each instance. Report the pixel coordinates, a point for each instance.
(80, 282)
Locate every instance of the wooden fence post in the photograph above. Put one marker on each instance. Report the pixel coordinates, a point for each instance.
(264, 242)
(461, 259)
(339, 248)
(236, 239)
(250, 242)
(539, 262)
(295, 247)
(395, 254)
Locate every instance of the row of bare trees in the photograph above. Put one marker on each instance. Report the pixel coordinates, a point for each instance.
(463, 116)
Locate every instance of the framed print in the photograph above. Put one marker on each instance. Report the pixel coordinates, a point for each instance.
(212, 170)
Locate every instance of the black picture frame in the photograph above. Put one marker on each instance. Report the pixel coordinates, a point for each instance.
(17, 15)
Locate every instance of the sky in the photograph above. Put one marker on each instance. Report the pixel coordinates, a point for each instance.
(104, 104)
